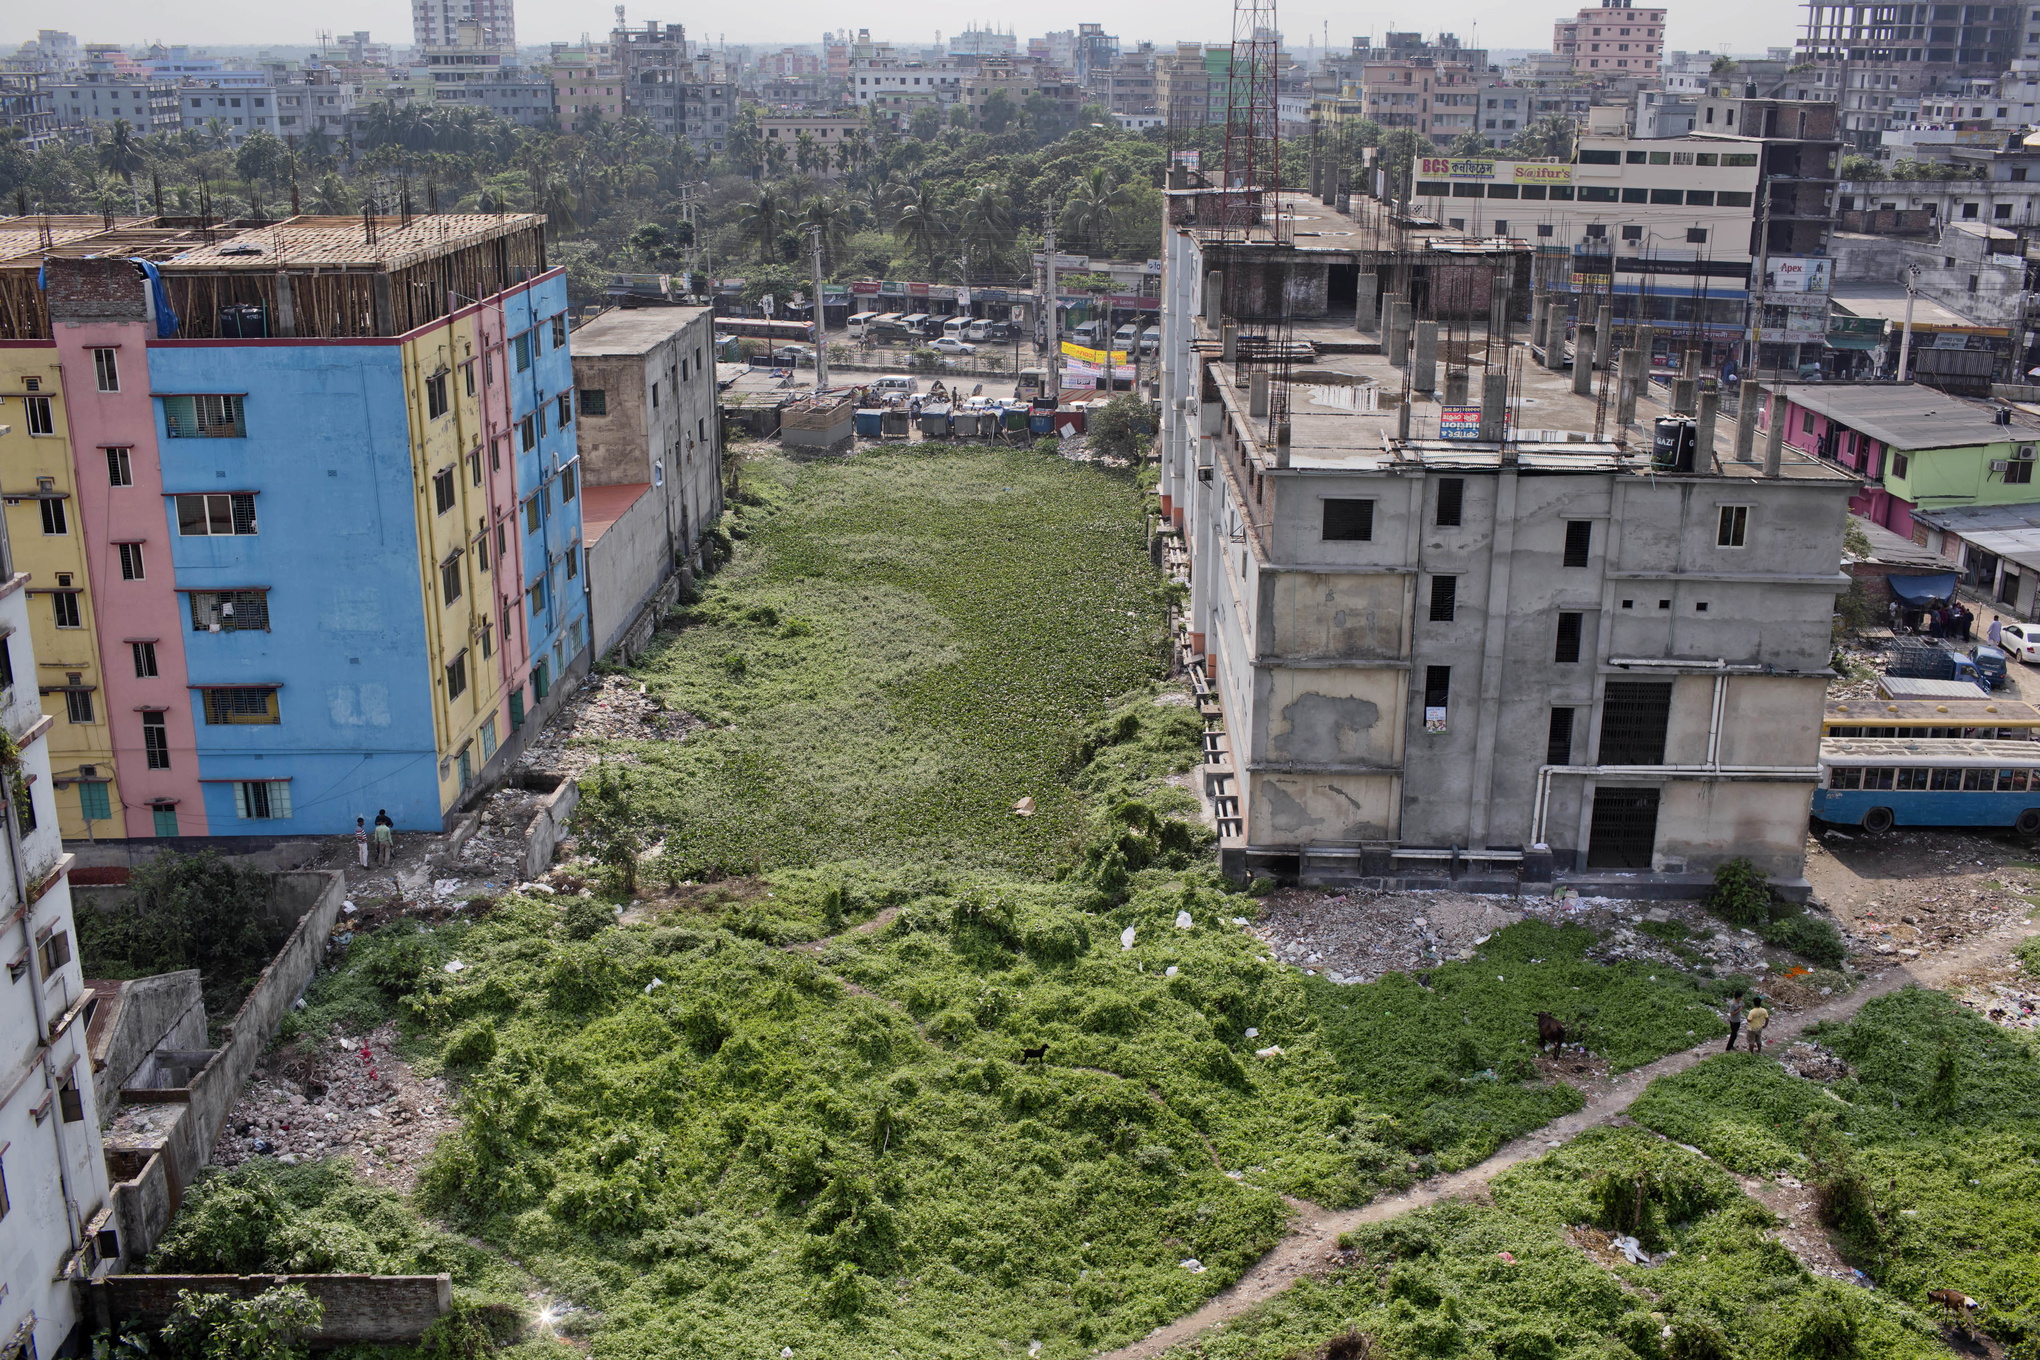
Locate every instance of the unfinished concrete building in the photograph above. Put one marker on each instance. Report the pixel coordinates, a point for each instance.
(1475, 629)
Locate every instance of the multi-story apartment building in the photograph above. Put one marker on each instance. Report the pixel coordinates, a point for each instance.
(899, 88)
(27, 108)
(1878, 60)
(98, 99)
(321, 101)
(650, 444)
(53, 1181)
(1615, 38)
(1492, 654)
(436, 23)
(1435, 99)
(249, 634)
(1183, 86)
(587, 86)
(236, 102)
(827, 135)
(1127, 86)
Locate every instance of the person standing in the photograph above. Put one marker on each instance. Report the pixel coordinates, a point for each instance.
(385, 836)
(361, 841)
(1759, 1017)
(1996, 631)
(1734, 1016)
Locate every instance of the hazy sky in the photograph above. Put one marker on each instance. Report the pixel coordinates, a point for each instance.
(1745, 26)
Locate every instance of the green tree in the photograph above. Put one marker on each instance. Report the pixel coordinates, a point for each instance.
(269, 1326)
(216, 134)
(612, 816)
(262, 158)
(830, 216)
(1087, 218)
(201, 911)
(1470, 143)
(121, 152)
(997, 113)
(331, 195)
(926, 124)
(921, 226)
(763, 222)
(1124, 429)
(1548, 138)
(987, 223)
(1399, 150)
(1861, 167)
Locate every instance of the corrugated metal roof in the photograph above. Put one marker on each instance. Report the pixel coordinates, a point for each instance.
(1906, 687)
(1909, 417)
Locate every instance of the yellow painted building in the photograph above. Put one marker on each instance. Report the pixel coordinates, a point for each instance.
(37, 486)
(461, 483)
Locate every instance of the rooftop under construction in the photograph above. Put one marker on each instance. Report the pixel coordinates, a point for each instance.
(303, 277)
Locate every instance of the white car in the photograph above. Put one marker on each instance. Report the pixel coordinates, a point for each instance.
(949, 344)
(2022, 640)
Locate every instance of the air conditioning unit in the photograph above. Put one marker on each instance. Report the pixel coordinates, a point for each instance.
(2000, 465)
(2024, 453)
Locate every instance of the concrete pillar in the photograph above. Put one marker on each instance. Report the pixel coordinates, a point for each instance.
(286, 312)
(1627, 382)
(1604, 334)
(1539, 305)
(1317, 182)
(1424, 372)
(1494, 405)
(1689, 363)
(1229, 335)
(1684, 393)
(1583, 359)
(1774, 438)
(1257, 393)
(1710, 411)
(1455, 387)
(1397, 342)
(1367, 307)
(1282, 445)
(1214, 298)
(1746, 426)
(1402, 419)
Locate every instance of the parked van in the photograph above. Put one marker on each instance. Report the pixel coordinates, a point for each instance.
(1088, 334)
(861, 322)
(895, 385)
(920, 324)
(1126, 336)
(1151, 340)
(955, 327)
(891, 326)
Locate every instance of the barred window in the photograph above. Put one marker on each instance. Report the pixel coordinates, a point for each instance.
(205, 417)
(245, 704)
(229, 611)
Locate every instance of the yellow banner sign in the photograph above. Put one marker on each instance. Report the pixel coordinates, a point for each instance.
(1121, 358)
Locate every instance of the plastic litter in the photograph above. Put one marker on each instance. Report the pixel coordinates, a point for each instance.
(1126, 938)
(1632, 1249)
(1170, 971)
(1194, 1266)
(455, 966)
(655, 982)
(1183, 921)
(1253, 1033)
(1024, 808)
(1274, 1051)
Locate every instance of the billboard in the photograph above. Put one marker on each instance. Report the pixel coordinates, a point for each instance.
(1085, 354)
(1493, 171)
(1798, 274)
(1459, 422)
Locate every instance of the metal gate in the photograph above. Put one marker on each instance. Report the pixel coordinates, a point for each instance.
(1624, 828)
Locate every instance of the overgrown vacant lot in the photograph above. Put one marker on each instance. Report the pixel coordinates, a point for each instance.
(721, 1140)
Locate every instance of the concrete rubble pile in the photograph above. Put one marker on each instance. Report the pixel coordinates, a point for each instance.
(608, 708)
(343, 1094)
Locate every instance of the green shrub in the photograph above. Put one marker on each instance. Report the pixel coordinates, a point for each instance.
(268, 1326)
(1741, 894)
(202, 911)
(1814, 938)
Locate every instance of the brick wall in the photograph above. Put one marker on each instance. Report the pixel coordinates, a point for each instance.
(95, 290)
(364, 1308)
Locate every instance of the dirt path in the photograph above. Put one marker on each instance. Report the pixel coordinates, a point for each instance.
(1314, 1232)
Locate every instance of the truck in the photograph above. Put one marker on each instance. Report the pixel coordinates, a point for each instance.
(1925, 661)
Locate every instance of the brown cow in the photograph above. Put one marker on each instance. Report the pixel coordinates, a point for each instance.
(1956, 1302)
(1550, 1033)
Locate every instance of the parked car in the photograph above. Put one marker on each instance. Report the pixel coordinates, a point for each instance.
(895, 385)
(2021, 640)
(949, 344)
(793, 355)
(1990, 666)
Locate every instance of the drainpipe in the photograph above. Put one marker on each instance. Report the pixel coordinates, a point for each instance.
(1755, 773)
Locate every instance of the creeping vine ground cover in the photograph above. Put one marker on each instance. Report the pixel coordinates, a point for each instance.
(1927, 1158)
(721, 1146)
(1508, 1279)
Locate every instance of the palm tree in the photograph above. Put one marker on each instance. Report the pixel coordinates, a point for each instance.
(775, 159)
(330, 197)
(846, 154)
(1087, 217)
(216, 134)
(804, 152)
(831, 217)
(987, 222)
(121, 153)
(552, 196)
(921, 226)
(762, 224)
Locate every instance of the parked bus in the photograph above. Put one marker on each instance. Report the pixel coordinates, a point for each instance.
(757, 328)
(1879, 783)
(1981, 719)
(861, 322)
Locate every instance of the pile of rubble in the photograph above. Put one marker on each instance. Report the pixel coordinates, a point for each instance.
(1812, 1062)
(2002, 1004)
(1355, 936)
(605, 708)
(345, 1094)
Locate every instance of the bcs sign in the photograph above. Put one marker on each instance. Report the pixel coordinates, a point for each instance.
(1494, 172)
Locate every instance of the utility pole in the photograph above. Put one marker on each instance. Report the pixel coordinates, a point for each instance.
(821, 317)
(1911, 278)
(1054, 314)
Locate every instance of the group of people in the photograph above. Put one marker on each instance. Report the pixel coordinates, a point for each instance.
(1950, 620)
(1751, 1020)
(384, 835)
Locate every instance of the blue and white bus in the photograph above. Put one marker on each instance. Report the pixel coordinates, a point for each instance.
(1881, 783)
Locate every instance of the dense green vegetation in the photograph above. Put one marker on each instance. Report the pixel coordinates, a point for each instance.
(1926, 1160)
(201, 911)
(906, 647)
(1510, 1279)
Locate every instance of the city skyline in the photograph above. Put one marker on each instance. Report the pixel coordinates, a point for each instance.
(1741, 26)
